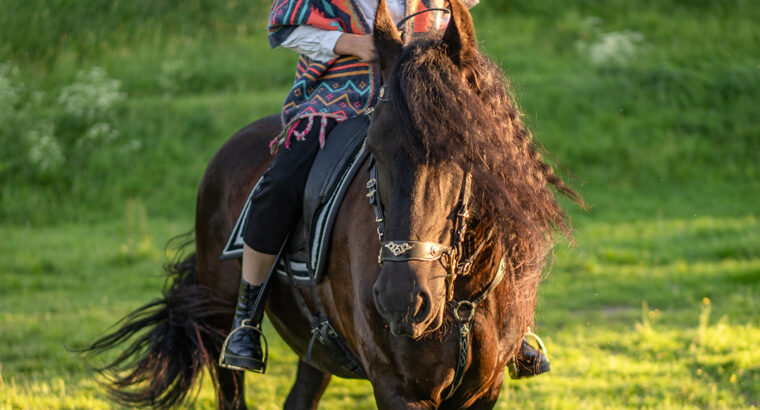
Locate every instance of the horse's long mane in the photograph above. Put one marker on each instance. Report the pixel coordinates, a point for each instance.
(467, 116)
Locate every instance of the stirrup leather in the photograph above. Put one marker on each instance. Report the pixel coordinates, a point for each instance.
(246, 324)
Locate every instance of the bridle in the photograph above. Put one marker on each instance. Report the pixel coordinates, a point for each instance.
(408, 250)
(451, 257)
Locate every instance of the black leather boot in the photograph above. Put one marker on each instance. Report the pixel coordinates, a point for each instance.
(242, 348)
(528, 362)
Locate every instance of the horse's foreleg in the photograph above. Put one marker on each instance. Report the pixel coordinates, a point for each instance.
(230, 389)
(308, 388)
(391, 393)
(483, 398)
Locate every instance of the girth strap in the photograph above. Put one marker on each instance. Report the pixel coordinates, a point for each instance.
(322, 331)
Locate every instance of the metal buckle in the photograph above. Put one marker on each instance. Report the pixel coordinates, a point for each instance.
(446, 260)
(470, 310)
(465, 267)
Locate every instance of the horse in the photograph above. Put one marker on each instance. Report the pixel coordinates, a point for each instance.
(454, 173)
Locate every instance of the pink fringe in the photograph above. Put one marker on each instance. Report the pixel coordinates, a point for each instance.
(285, 137)
(322, 132)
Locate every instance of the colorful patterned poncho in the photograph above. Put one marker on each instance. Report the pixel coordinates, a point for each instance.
(341, 88)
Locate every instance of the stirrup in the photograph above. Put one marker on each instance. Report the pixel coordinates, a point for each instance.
(515, 372)
(539, 342)
(265, 349)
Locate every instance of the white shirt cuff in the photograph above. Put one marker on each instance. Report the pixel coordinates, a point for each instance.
(312, 42)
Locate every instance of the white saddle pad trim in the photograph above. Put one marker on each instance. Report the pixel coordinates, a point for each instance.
(234, 247)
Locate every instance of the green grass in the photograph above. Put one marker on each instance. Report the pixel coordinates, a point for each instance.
(656, 306)
(646, 313)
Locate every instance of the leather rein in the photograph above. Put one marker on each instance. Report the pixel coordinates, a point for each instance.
(451, 257)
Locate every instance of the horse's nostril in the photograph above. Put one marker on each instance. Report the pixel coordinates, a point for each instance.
(422, 307)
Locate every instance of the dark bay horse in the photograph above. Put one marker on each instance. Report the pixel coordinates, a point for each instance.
(455, 169)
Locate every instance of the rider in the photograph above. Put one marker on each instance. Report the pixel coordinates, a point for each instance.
(335, 80)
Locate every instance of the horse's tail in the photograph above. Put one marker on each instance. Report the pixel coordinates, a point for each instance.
(170, 340)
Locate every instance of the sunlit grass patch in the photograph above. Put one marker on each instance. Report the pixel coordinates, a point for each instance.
(665, 329)
(704, 363)
(54, 393)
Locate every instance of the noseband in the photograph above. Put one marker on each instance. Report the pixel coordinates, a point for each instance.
(404, 251)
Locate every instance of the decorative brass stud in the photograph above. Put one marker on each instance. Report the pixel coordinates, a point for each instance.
(398, 248)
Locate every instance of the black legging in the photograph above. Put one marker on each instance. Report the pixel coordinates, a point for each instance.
(277, 204)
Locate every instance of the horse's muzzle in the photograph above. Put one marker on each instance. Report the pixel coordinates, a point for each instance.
(409, 309)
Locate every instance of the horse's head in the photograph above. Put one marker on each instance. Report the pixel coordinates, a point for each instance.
(445, 118)
(420, 195)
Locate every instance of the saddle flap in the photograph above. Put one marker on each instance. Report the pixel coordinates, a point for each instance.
(332, 171)
(330, 164)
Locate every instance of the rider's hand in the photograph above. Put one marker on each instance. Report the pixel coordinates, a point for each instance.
(358, 45)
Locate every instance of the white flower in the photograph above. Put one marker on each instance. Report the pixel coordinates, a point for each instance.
(612, 48)
(45, 152)
(615, 48)
(98, 133)
(93, 96)
(10, 90)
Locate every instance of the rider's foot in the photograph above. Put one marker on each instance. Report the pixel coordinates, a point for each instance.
(528, 362)
(242, 348)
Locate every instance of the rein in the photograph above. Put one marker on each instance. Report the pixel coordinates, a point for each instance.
(401, 22)
(449, 256)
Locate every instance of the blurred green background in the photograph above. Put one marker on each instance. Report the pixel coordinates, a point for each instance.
(110, 110)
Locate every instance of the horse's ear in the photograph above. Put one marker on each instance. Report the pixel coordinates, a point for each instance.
(386, 37)
(460, 34)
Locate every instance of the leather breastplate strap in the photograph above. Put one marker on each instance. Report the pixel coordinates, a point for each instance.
(464, 312)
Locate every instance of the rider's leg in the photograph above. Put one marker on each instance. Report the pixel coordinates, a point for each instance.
(275, 209)
(256, 265)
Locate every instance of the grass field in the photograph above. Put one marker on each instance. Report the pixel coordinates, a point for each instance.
(109, 112)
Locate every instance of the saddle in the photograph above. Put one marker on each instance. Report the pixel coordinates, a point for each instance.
(306, 253)
(331, 173)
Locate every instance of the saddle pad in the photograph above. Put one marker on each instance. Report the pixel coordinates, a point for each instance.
(332, 171)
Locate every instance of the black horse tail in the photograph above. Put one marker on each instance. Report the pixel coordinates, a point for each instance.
(170, 340)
